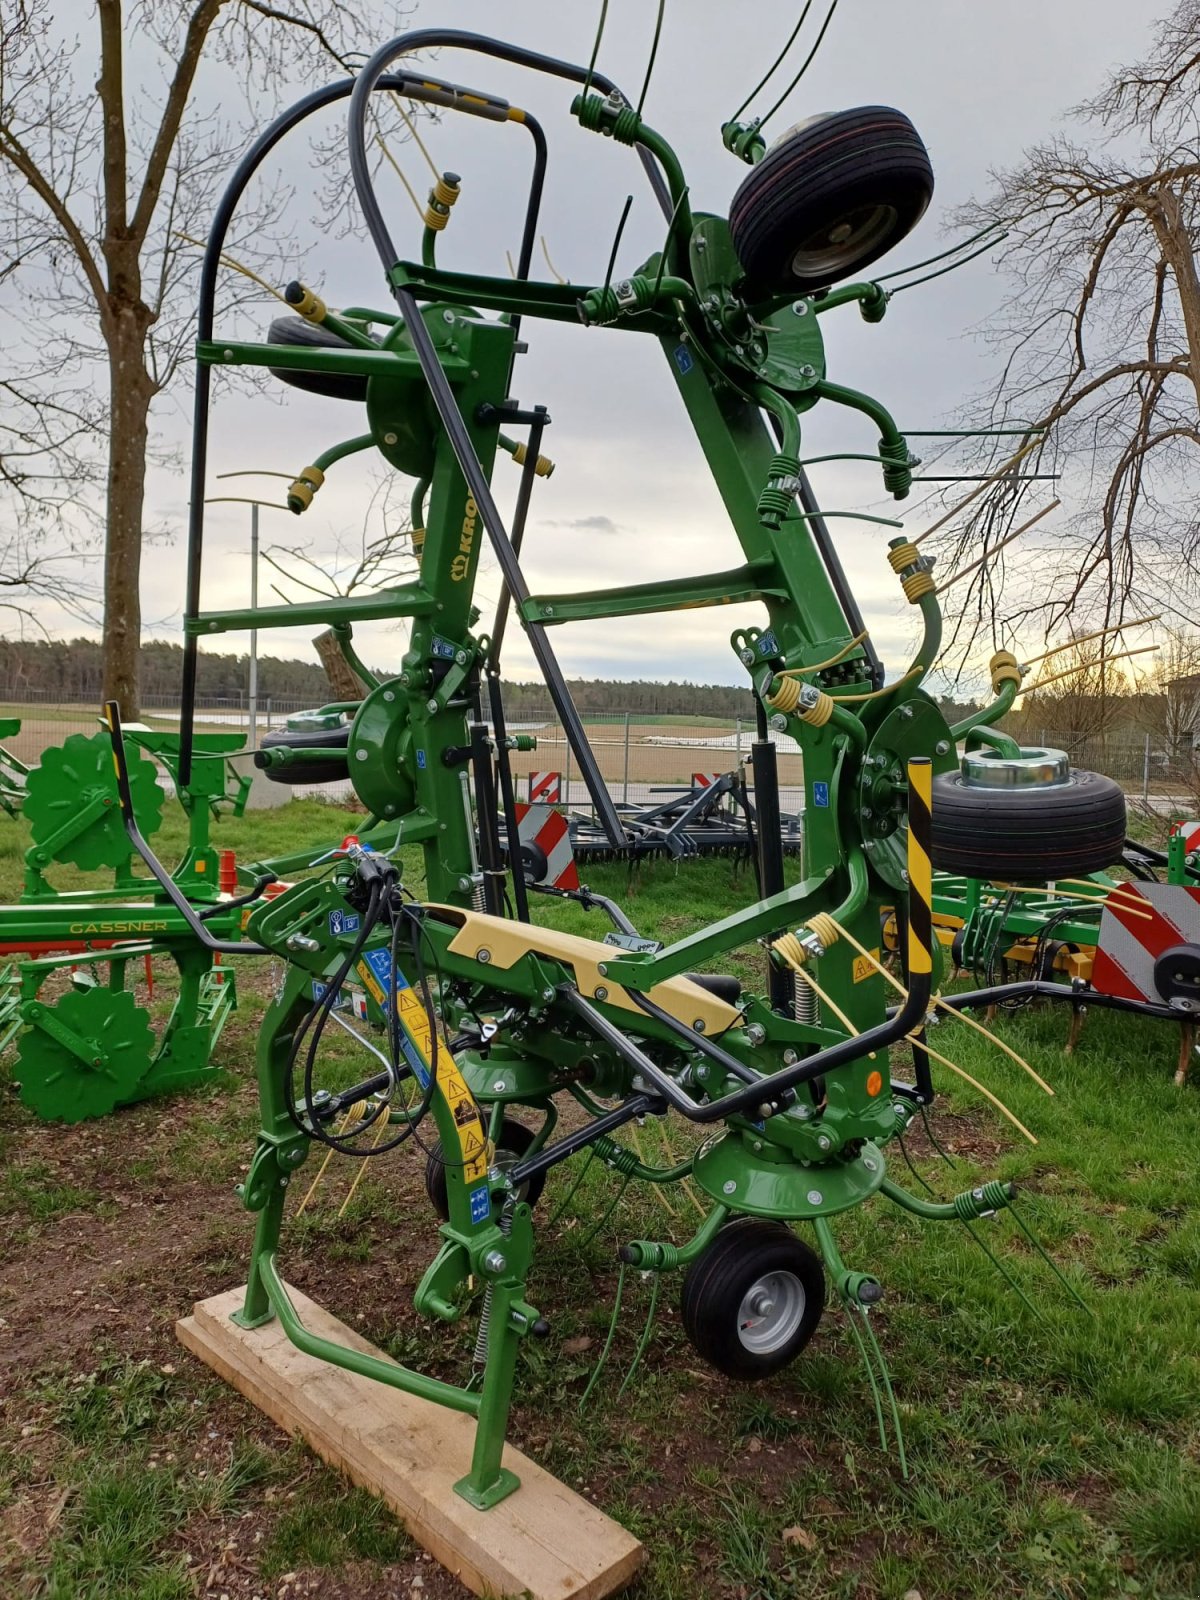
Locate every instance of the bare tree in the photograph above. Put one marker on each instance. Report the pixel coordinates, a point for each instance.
(1101, 343)
(380, 556)
(101, 170)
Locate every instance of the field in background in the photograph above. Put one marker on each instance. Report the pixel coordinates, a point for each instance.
(1054, 1455)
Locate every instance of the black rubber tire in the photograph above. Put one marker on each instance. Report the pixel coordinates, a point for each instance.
(1059, 831)
(515, 1138)
(865, 168)
(337, 385)
(313, 771)
(718, 1281)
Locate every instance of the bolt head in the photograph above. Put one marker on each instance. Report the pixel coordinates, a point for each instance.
(600, 992)
(799, 308)
(431, 705)
(447, 316)
(389, 438)
(729, 1187)
(698, 1025)
(824, 1142)
(494, 1261)
(942, 747)
(500, 1085)
(815, 1197)
(779, 722)
(483, 957)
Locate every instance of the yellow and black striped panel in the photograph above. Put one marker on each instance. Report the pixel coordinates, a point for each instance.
(920, 864)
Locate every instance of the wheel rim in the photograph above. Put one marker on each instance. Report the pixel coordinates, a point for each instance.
(1032, 769)
(844, 241)
(771, 1311)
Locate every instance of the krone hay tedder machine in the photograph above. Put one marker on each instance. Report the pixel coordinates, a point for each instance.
(482, 1012)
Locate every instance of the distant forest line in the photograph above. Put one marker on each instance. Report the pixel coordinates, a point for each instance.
(68, 672)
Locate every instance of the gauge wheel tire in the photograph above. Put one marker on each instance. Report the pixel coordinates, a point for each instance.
(752, 1300)
(1056, 831)
(312, 336)
(313, 771)
(830, 197)
(515, 1139)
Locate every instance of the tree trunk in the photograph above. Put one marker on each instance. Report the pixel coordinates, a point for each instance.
(130, 392)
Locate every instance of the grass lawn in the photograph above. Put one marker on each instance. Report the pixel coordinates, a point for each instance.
(1053, 1454)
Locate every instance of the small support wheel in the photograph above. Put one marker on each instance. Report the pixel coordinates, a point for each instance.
(752, 1300)
(515, 1139)
(832, 195)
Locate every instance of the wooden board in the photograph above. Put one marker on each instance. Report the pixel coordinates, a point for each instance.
(544, 1540)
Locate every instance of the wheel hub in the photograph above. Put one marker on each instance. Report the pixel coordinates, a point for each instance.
(770, 1312)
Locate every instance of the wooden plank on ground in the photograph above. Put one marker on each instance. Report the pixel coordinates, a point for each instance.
(544, 1540)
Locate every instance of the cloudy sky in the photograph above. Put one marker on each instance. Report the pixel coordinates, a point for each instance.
(631, 498)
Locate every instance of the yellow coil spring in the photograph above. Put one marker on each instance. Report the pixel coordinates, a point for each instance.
(441, 197)
(305, 484)
(311, 306)
(904, 555)
(917, 584)
(1005, 668)
(790, 950)
(543, 467)
(418, 542)
(785, 697)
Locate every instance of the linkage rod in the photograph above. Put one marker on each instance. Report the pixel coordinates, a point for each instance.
(468, 461)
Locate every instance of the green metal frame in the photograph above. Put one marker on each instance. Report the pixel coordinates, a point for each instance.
(437, 393)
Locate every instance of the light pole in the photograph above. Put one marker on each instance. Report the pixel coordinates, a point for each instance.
(252, 732)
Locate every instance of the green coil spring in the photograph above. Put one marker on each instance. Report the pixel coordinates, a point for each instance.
(897, 467)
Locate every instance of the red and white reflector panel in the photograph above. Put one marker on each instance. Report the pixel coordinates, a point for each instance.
(544, 833)
(1140, 922)
(1191, 835)
(545, 788)
(704, 780)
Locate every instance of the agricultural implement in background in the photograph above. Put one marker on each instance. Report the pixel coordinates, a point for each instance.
(13, 772)
(1094, 941)
(86, 1044)
(482, 1013)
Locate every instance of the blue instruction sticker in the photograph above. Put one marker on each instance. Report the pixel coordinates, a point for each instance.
(342, 922)
(375, 970)
(481, 1203)
(442, 648)
(820, 794)
(766, 645)
(421, 760)
(683, 359)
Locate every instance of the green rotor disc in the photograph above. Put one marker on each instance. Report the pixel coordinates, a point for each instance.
(62, 1086)
(76, 772)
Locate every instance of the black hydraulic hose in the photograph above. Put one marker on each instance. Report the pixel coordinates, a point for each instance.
(694, 1040)
(823, 540)
(477, 483)
(455, 38)
(225, 947)
(766, 1089)
(1047, 989)
(636, 1106)
(223, 906)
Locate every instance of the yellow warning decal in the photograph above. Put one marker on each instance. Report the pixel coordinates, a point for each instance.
(865, 967)
(414, 1020)
(471, 1141)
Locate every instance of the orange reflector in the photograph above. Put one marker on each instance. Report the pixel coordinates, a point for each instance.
(874, 1083)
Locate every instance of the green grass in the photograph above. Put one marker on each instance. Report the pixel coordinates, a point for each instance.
(1055, 1455)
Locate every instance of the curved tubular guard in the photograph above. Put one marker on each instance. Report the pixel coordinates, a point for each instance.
(225, 947)
(457, 38)
(769, 1089)
(417, 88)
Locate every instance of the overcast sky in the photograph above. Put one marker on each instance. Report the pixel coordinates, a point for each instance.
(631, 498)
